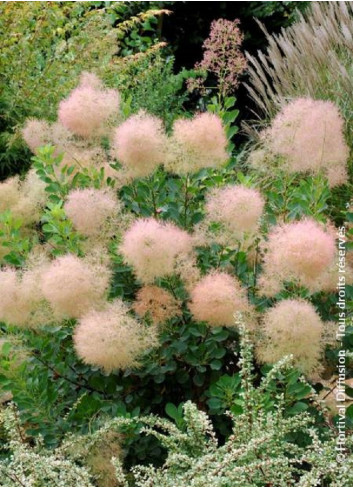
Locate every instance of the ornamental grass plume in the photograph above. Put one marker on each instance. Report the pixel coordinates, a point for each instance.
(311, 57)
(72, 285)
(112, 339)
(156, 303)
(309, 135)
(197, 143)
(90, 210)
(238, 207)
(301, 252)
(216, 298)
(153, 247)
(88, 108)
(292, 327)
(140, 144)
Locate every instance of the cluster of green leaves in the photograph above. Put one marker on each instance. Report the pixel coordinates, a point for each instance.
(15, 243)
(148, 82)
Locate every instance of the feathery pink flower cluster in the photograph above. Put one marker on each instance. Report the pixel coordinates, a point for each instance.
(156, 303)
(20, 297)
(238, 207)
(111, 339)
(309, 135)
(140, 144)
(301, 252)
(72, 285)
(216, 298)
(90, 209)
(197, 143)
(9, 193)
(292, 327)
(88, 108)
(222, 56)
(36, 133)
(24, 199)
(153, 247)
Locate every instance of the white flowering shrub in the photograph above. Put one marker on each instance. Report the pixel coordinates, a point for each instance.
(262, 450)
(28, 465)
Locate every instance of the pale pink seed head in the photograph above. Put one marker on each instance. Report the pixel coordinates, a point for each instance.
(25, 199)
(292, 327)
(72, 285)
(112, 339)
(9, 193)
(238, 207)
(31, 199)
(198, 143)
(337, 175)
(89, 209)
(156, 303)
(140, 144)
(299, 251)
(88, 79)
(309, 134)
(153, 247)
(20, 297)
(217, 298)
(36, 133)
(88, 108)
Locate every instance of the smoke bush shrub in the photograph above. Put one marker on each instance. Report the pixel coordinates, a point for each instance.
(301, 252)
(153, 247)
(295, 325)
(156, 303)
(88, 107)
(85, 285)
(146, 245)
(197, 143)
(90, 210)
